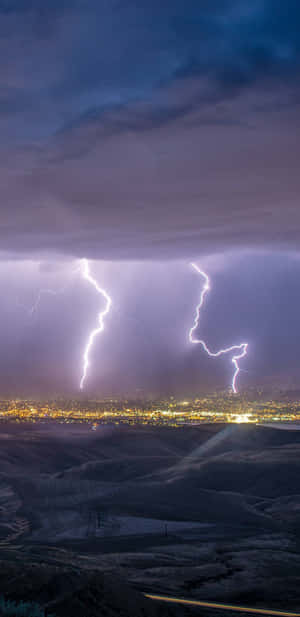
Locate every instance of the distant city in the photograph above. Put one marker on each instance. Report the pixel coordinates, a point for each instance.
(251, 407)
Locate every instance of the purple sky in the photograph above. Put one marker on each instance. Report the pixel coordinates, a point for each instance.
(145, 348)
(143, 135)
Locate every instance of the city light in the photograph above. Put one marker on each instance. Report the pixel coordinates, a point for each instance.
(219, 408)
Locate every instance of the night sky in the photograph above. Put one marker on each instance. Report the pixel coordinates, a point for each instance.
(143, 135)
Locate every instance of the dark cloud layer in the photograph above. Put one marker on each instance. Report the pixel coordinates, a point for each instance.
(148, 129)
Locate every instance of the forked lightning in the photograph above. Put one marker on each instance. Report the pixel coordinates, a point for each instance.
(241, 348)
(85, 270)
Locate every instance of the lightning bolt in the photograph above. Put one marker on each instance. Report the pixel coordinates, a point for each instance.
(242, 348)
(42, 292)
(85, 270)
(48, 292)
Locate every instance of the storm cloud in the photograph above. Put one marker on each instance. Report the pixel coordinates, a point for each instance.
(141, 135)
(148, 130)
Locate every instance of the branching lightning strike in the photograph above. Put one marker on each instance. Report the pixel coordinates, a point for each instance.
(49, 292)
(242, 348)
(85, 270)
(42, 292)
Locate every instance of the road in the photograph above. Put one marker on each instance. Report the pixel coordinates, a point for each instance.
(226, 607)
